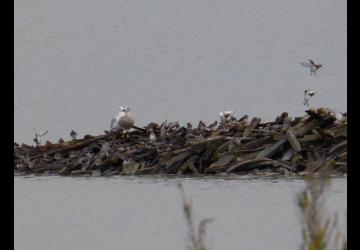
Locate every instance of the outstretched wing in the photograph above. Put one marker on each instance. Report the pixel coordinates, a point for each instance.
(306, 64)
(312, 62)
(43, 133)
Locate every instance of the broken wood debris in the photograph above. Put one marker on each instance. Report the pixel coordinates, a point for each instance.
(286, 145)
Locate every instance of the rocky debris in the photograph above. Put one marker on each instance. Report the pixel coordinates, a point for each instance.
(316, 140)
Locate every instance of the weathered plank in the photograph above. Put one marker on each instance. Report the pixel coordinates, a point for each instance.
(293, 141)
(269, 151)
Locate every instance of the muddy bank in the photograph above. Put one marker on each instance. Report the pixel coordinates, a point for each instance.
(233, 145)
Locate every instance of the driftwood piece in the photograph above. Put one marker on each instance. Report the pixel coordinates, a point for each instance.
(338, 147)
(288, 154)
(187, 164)
(173, 165)
(343, 157)
(130, 167)
(293, 141)
(250, 165)
(255, 122)
(193, 169)
(307, 127)
(248, 151)
(241, 164)
(247, 131)
(338, 132)
(54, 166)
(222, 148)
(310, 138)
(269, 151)
(198, 147)
(145, 171)
(224, 161)
(259, 142)
(272, 163)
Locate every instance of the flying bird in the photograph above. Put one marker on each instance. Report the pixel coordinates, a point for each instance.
(123, 120)
(312, 66)
(308, 94)
(37, 138)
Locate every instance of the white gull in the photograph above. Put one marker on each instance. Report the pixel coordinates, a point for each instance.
(123, 120)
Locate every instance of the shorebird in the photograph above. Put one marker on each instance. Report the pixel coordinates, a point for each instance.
(189, 125)
(152, 136)
(123, 120)
(73, 134)
(308, 94)
(213, 125)
(201, 124)
(224, 116)
(312, 66)
(37, 138)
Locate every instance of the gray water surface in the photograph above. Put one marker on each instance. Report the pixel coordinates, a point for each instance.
(76, 61)
(55, 213)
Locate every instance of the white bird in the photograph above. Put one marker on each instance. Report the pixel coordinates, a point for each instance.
(312, 66)
(224, 116)
(308, 94)
(37, 138)
(339, 116)
(123, 120)
(152, 137)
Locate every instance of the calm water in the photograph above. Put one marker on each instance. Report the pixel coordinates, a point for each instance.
(143, 213)
(76, 61)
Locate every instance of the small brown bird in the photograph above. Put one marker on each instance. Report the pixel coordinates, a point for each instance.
(312, 66)
(73, 134)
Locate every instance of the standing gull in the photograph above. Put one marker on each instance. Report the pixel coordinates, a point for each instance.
(123, 120)
(312, 66)
(224, 116)
(308, 94)
(37, 138)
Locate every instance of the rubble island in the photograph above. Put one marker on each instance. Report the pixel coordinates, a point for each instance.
(314, 142)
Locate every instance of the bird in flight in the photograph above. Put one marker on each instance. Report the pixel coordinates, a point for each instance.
(312, 66)
(37, 138)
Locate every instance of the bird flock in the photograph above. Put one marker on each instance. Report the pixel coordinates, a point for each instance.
(124, 119)
(308, 93)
